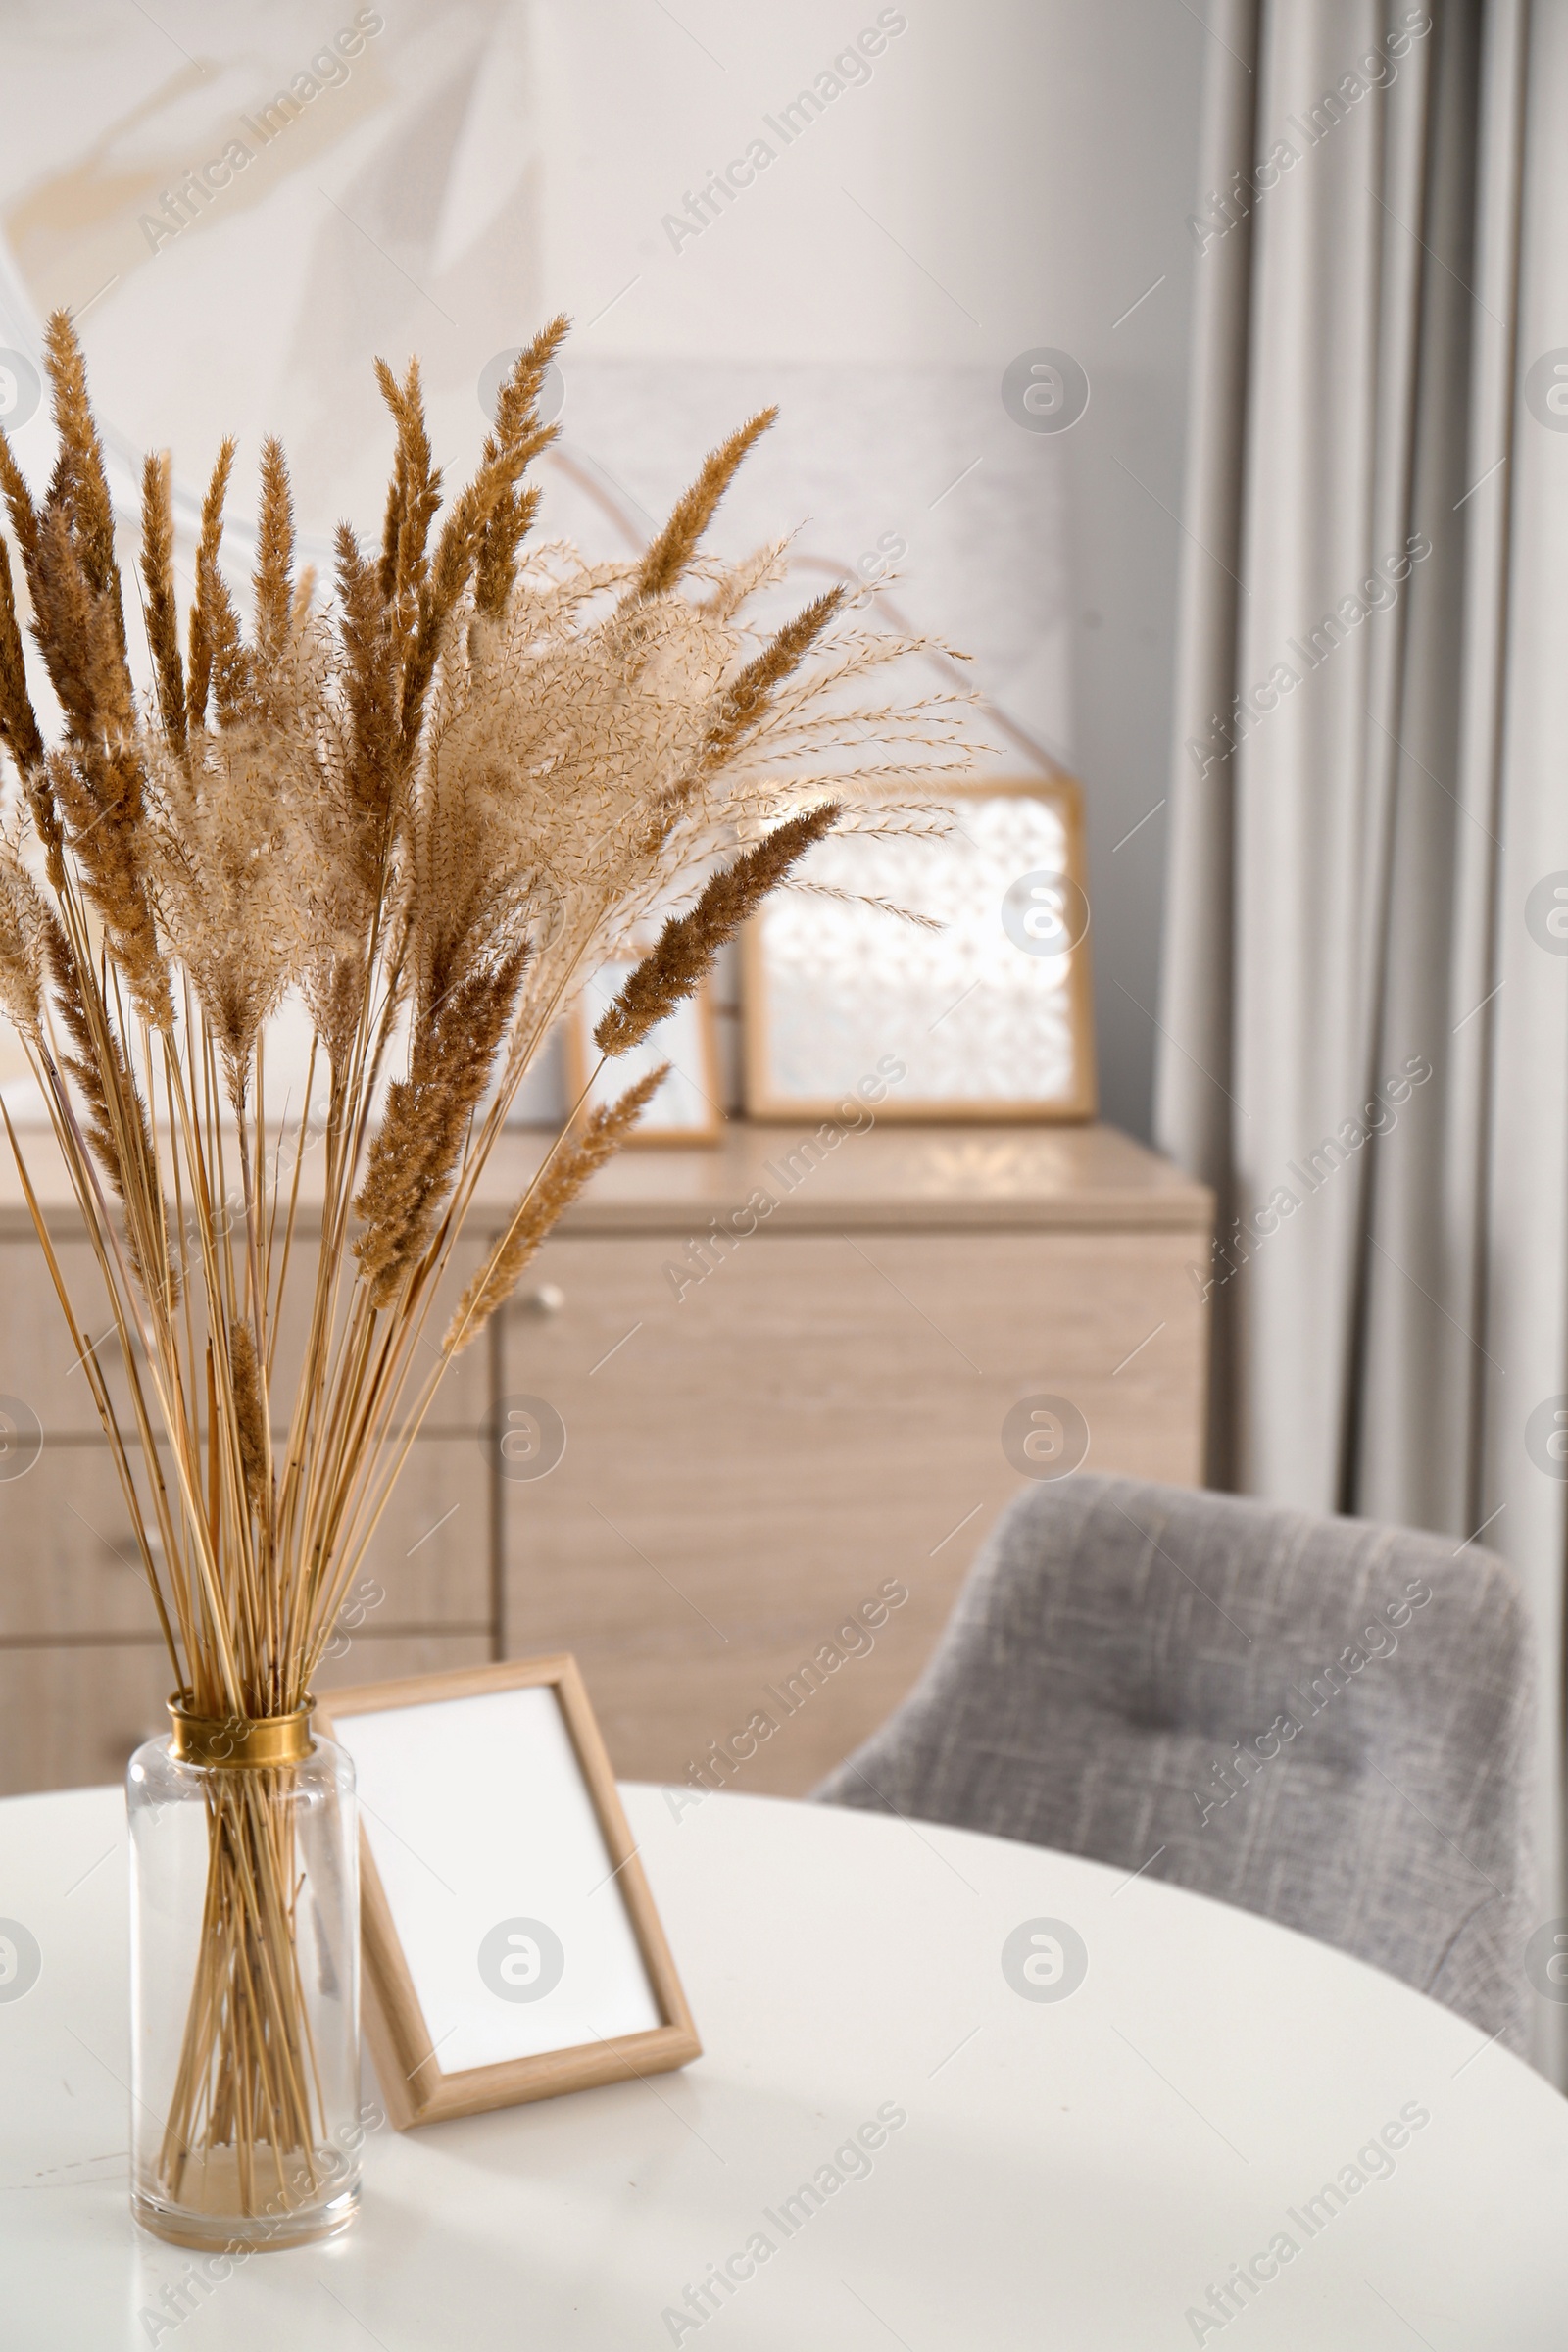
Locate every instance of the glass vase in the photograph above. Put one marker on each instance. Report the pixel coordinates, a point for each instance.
(245, 1945)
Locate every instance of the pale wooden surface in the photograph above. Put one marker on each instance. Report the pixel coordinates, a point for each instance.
(945, 1176)
(744, 1465)
(821, 1414)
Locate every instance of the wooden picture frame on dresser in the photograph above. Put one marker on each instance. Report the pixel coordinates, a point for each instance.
(1003, 973)
(416, 2086)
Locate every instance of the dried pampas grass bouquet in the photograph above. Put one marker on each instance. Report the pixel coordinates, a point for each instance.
(425, 810)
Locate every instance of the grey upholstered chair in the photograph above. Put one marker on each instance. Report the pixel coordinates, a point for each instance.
(1317, 1719)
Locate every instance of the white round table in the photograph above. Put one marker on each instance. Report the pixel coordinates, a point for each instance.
(1082, 2171)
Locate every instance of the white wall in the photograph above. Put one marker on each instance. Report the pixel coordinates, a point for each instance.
(1010, 175)
(1036, 164)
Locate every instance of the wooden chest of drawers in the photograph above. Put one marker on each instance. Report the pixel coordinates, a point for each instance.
(771, 1438)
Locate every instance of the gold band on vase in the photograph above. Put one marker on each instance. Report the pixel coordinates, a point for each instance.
(242, 1743)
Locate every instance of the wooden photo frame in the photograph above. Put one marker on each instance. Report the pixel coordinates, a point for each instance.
(484, 1810)
(988, 1016)
(688, 1108)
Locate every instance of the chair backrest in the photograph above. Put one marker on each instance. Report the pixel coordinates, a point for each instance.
(1321, 1720)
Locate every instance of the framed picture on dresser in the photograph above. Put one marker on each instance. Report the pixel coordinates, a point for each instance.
(984, 1000)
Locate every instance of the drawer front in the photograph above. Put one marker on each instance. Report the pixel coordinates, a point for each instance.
(429, 1560)
(69, 1562)
(70, 1718)
(38, 1359)
(40, 1365)
(750, 1462)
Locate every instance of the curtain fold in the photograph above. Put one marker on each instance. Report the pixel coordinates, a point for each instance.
(1364, 1019)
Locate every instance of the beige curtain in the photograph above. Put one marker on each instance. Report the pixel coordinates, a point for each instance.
(1364, 1023)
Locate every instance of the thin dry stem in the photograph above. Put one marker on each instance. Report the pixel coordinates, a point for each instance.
(689, 943)
(544, 1203)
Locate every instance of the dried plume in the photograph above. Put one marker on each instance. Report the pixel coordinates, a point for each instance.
(748, 697)
(212, 598)
(686, 948)
(23, 946)
(272, 581)
(90, 795)
(412, 1157)
(557, 1187)
(158, 577)
(250, 1417)
(80, 488)
(673, 551)
(518, 429)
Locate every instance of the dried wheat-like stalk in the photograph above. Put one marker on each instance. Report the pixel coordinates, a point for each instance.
(427, 812)
(686, 948)
(553, 1192)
